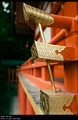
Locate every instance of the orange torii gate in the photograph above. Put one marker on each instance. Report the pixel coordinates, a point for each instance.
(12, 76)
(37, 73)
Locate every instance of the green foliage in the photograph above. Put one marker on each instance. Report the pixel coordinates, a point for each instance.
(5, 26)
(12, 46)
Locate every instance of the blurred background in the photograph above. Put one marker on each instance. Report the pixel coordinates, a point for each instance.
(16, 38)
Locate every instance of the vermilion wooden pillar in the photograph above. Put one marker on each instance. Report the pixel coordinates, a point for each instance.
(19, 84)
(71, 68)
(18, 90)
(45, 73)
(31, 72)
(28, 71)
(22, 101)
(12, 76)
(25, 107)
(71, 76)
(29, 109)
(37, 72)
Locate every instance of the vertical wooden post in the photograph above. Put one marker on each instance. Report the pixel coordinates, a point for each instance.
(45, 74)
(37, 72)
(18, 89)
(31, 72)
(28, 71)
(71, 68)
(12, 76)
(71, 76)
(22, 101)
(29, 109)
(25, 71)
(52, 32)
(16, 78)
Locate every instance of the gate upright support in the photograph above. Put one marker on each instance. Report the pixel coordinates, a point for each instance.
(71, 68)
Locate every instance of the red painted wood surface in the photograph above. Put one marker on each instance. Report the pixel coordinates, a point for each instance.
(25, 107)
(66, 29)
(29, 109)
(22, 101)
(12, 76)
